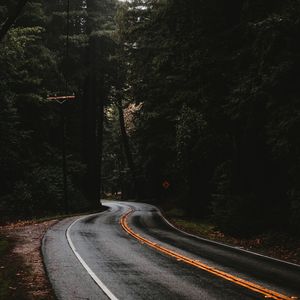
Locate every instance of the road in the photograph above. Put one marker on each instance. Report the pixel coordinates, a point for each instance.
(131, 252)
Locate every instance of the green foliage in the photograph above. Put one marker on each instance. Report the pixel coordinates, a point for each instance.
(114, 171)
(220, 110)
(33, 65)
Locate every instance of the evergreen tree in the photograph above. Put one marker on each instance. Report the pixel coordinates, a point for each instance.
(217, 85)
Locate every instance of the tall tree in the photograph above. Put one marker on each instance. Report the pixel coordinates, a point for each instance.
(212, 78)
(99, 26)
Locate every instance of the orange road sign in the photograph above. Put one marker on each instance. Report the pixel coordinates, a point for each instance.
(166, 184)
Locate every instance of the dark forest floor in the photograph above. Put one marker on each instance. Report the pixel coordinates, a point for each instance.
(22, 274)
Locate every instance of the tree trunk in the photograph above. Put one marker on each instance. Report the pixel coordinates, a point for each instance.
(99, 138)
(89, 141)
(93, 116)
(127, 149)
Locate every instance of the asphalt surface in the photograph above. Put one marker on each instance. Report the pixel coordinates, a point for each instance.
(92, 257)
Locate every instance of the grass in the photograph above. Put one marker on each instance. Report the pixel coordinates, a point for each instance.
(199, 227)
(194, 226)
(275, 244)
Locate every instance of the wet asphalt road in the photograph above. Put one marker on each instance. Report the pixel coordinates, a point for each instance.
(79, 248)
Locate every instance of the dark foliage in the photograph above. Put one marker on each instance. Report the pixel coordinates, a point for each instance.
(218, 83)
(34, 64)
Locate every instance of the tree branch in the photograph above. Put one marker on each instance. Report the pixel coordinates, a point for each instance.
(12, 18)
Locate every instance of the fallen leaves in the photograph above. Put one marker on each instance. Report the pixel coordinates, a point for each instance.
(30, 275)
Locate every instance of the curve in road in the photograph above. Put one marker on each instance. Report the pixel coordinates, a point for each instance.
(160, 263)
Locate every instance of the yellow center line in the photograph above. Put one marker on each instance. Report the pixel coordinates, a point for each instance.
(249, 285)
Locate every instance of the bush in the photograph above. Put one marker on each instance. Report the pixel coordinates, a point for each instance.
(295, 211)
(238, 215)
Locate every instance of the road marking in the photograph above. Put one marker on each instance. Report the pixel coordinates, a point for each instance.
(102, 286)
(228, 246)
(249, 285)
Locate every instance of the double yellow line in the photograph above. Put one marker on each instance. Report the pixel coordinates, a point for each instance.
(249, 285)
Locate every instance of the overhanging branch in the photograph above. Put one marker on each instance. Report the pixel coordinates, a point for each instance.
(12, 16)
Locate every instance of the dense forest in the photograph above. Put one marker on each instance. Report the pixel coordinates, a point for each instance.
(201, 94)
(53, 48)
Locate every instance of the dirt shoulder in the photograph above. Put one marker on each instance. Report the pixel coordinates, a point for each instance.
(21, 269)
(22, 272)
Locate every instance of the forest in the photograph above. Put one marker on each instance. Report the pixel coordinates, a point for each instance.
(201, 95)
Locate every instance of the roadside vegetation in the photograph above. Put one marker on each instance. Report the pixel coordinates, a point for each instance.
(34, 65)
(219, 109)
(275, 244)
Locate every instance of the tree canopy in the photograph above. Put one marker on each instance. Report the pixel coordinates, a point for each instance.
(218, 86)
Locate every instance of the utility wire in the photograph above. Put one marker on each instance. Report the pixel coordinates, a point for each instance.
(67, 44)
(64, 158)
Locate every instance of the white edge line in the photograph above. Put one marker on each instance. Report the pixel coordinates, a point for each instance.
(225, 245)
(103, 287)
(212, 241)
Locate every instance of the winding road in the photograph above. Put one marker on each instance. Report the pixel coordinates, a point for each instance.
(131, 252)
